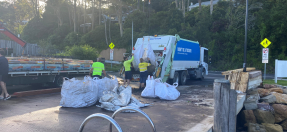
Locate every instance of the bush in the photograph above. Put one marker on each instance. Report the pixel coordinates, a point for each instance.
(84, 52)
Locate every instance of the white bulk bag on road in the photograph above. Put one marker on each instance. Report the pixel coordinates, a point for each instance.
(166, 91)
(79, 93)
(149, 90)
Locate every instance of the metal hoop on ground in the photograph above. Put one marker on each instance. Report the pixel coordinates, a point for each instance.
(134, 109)
(111, 120)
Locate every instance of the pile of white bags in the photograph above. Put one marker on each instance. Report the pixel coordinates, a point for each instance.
(155, 88)
(119, 97)
(83, 93)
(79, 93)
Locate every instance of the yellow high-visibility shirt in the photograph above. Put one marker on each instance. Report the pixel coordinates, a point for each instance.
(127, 64)
(143, 66)
(98, 67)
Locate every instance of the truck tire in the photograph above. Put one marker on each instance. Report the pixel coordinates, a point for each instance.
(202, 75)
(176, 78)
(183, 77)
(58, 81)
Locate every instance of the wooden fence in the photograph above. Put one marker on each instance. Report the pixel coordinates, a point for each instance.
(30, 49)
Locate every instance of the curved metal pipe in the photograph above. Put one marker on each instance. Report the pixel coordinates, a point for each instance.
(98, 115)
(134, 109)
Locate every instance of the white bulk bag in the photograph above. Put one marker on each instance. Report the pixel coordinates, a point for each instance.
(149, 90)
(166, 91)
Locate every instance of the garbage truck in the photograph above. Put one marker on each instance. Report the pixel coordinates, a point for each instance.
(174, 59)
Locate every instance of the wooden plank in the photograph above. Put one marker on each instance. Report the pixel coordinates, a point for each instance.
(244, 77)
(217, 106)
(239, 70)
(234, 76)
(254, 74)
(232, 111)
(233, 85)
(242, 87)
(254, 82)
(221, 105)
(240, 101)
(225, 89)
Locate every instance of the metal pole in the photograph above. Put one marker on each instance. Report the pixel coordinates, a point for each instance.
(264, 71)
(245, 43)
(132, 34)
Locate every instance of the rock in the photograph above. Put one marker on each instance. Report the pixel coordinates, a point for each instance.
(269, 99)
(280, 112)
(285, 91)
(263, 92)
(284, 125)
(251, 102)
(265, 107)
(252, 91)
(264, 116)
(280, 98)
(279, 86)
(248, 117)
(272, 127)
(253, 127)
(268, 86)
(277, 90)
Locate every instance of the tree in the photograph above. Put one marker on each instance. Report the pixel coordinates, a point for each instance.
(85, 16)
(56, 4)
(93, 14)
(75, 16)
(199, 5)
(100, 11)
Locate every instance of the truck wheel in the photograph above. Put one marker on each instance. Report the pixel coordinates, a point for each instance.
(183, 77)
(202, 74)
(176, 78)
(58, 81)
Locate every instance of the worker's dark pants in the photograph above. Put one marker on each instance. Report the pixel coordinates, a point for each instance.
(98, 76)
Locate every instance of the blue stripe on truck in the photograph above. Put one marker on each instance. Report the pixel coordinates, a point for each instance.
(187, 51)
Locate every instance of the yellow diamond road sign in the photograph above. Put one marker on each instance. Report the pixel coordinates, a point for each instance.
(265, 43)
(112, 45)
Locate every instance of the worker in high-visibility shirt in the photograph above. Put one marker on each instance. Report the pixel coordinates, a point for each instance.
(143, 72)
(97, 69)
(128, 72)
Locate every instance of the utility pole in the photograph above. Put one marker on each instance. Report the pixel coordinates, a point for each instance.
(245, 43)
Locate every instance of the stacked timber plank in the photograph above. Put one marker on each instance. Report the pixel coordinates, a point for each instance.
(50, 64)
(242, 81)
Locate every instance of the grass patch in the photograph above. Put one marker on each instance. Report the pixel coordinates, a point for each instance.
(279, 82)
(114, 68)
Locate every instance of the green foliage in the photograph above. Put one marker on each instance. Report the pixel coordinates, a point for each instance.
(84, 52)
(279, 82)
(222, 32)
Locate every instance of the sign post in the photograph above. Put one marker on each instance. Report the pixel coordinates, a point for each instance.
(265, 53)
(112, 52)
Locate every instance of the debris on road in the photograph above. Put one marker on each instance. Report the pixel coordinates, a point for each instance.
(119, 97)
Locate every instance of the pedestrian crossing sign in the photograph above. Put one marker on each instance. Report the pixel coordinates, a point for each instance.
(112, 45)
(265, 43)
